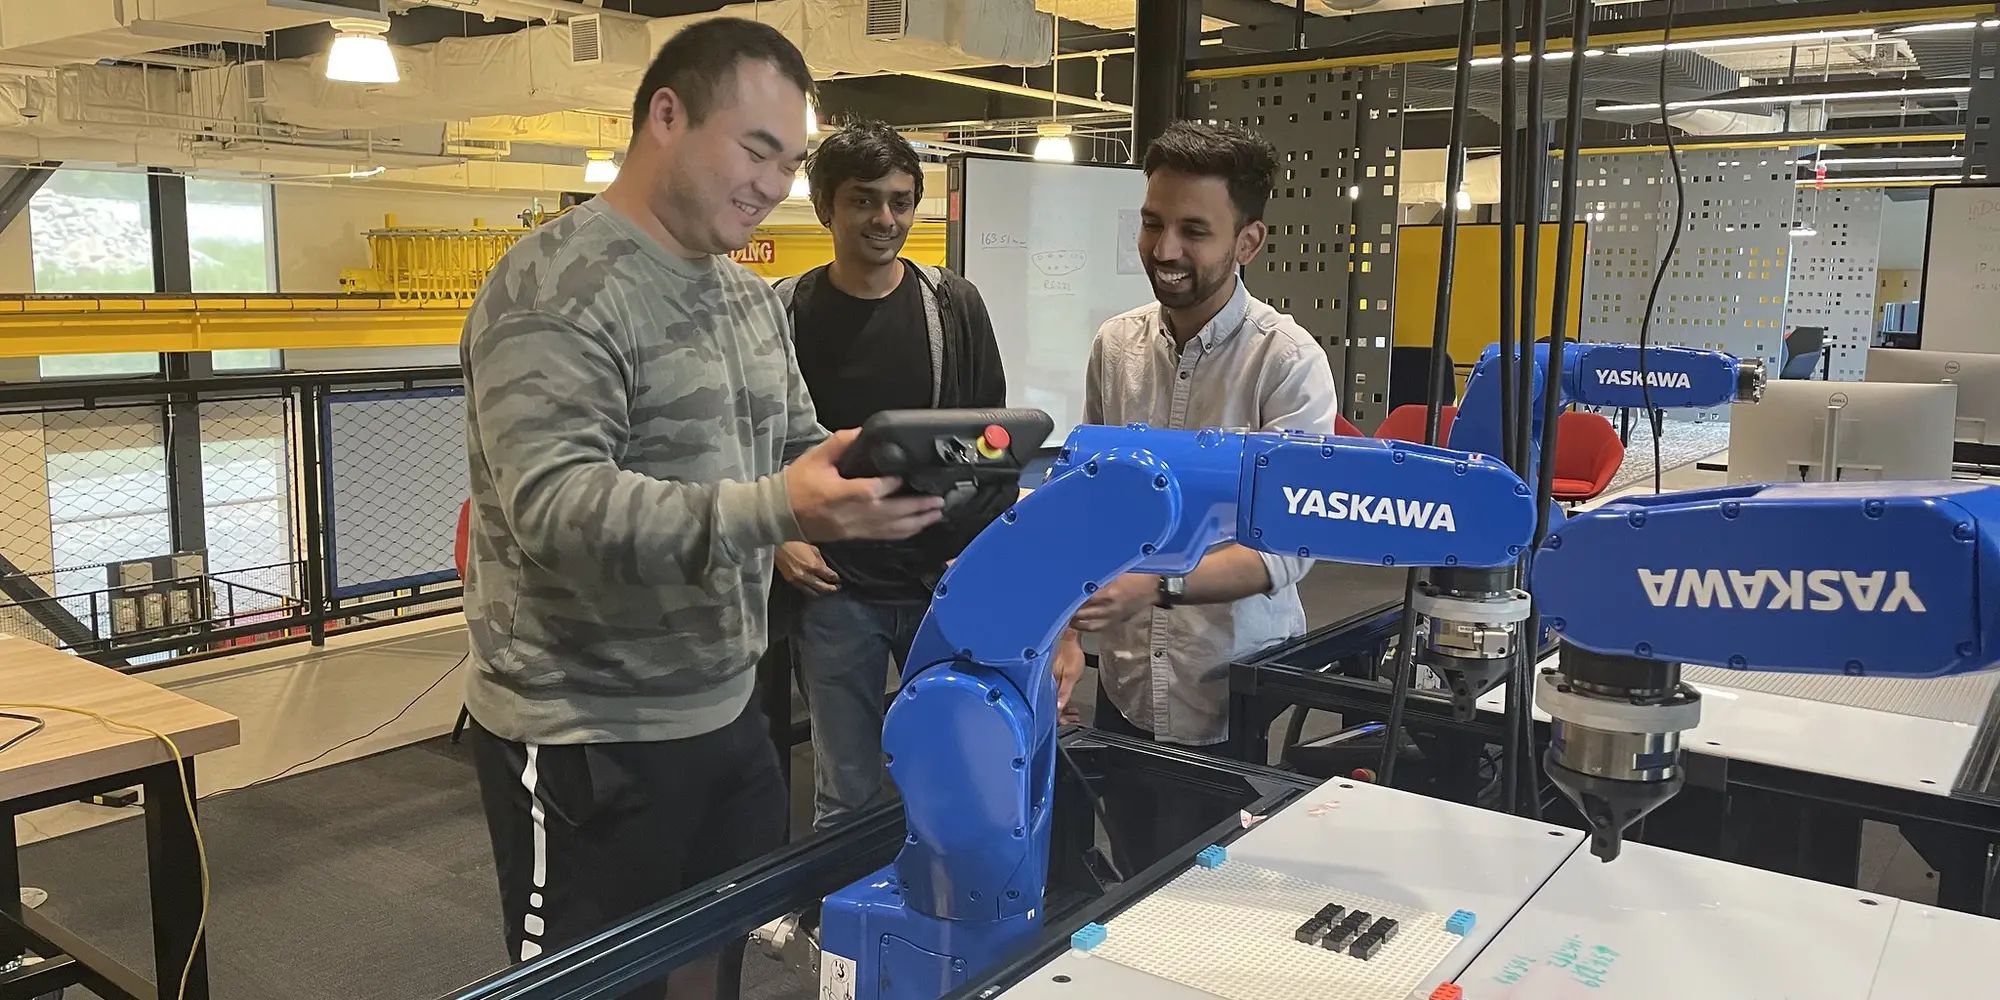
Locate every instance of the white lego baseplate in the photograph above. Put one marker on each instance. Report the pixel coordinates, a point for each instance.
(1229, 931)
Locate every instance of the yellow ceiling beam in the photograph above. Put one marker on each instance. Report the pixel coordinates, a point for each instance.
(36, 325)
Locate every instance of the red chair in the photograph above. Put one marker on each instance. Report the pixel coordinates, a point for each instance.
(1406, 423)
(464, 542)
(1343, 428)
(1588, 454)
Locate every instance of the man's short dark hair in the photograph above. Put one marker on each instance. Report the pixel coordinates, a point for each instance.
(862, 151)
(698, 63)
(1242, 158)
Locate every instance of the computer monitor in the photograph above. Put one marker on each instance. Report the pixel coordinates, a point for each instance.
(1883, 430)
(1976, 375)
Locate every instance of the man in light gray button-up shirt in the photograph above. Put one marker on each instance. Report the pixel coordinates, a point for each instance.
(1207, 354)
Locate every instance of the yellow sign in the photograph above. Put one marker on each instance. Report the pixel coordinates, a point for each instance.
(758, 252)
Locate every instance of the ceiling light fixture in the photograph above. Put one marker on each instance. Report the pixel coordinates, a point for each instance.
(598, 167)
(1558, 54)
(1464, 200)
(1724, 43)
(1849, 95)
(1805, 231)
(801, 188)
(1853, 161)
(1891, 179)
(360, 53)
(1054, 146)
(1924, 29)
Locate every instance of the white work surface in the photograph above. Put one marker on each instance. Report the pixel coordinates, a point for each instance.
(1878, 748)
(1659, 925)
(1410, 849)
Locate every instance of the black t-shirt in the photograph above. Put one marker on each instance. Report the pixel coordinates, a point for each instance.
(862, 356)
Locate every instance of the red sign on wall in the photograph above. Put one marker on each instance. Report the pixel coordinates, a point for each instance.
(758, 252)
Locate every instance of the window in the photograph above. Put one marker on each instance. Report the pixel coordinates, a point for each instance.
(229, 237)
(247, 361)
(91, 231)
(98, 365)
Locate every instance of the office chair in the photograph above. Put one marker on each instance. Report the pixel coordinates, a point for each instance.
(1588, 455)
(1805, 350)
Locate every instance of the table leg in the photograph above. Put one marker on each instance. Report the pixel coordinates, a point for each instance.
(173, 860)
(10, 883)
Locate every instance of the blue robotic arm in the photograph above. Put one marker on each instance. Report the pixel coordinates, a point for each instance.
(1593, 374)
(970, 738)
(1889, 579)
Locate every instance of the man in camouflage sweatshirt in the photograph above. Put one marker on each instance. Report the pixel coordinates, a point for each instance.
(633, 404)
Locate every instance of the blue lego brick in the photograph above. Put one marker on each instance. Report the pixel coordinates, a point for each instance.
(1087, 937)
(1460, 923)
(1212, 856)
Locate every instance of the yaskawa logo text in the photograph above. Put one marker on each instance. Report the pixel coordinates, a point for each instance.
(1781, 590)
(1367, 509)
(1655, 380)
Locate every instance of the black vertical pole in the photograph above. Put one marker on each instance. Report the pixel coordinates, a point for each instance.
(1164, 34)
(166, 198)
(313, 573)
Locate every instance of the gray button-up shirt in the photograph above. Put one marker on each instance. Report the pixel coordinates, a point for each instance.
(1167, 669)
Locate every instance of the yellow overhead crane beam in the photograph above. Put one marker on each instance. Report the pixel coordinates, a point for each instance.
(33, 325)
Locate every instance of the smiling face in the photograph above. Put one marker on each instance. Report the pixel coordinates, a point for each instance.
(723, 176)
(1189, 240)
(870, 220)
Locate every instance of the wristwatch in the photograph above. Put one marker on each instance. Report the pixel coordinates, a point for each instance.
(1173, 590)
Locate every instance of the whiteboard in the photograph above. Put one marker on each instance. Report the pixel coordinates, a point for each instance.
(1054, 249)
(1962, 271)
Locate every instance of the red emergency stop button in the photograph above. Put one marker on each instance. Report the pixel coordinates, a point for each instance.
(993, 441)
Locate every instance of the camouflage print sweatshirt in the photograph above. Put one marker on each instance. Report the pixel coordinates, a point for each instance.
(629, 412)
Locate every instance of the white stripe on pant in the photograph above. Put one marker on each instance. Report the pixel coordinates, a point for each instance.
(531, 922)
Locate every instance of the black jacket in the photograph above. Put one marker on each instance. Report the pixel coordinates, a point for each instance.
(966, 372)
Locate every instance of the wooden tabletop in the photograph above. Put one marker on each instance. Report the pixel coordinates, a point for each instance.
(73, 748)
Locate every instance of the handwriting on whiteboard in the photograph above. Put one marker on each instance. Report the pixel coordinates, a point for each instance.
(1002, 241)
(1056, 263)
(1585, 966)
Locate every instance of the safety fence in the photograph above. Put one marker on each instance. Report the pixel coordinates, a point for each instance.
(150, 521)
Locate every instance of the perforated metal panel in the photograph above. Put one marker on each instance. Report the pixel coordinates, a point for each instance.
(1330, 261)
(1725, 288)
(1833, 272)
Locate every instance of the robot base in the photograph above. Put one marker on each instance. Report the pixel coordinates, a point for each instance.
(873, 947)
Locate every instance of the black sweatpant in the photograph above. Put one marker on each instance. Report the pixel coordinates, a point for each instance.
(587, 835)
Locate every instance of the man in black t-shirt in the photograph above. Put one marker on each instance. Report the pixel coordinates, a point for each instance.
(875, 332)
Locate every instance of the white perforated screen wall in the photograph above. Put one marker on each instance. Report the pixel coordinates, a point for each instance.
(1833, 272)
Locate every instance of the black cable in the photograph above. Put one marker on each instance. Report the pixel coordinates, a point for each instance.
(1533, 151)
(1510, 441)
(1653, 424)
(1440, 368)
(35, 725)
(1510, 438)
(346, 743)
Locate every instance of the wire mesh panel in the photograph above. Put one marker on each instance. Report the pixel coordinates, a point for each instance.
(1833, 272)
(24, 493)
(246, 446)
(395, 477)
(1329, 260)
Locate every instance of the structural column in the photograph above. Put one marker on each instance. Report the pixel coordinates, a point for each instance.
(1982, 104)
(173, 274)
(1165, 34)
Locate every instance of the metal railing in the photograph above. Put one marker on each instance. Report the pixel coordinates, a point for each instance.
(248, 471)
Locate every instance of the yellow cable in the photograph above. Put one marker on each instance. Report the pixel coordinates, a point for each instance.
(187, 799)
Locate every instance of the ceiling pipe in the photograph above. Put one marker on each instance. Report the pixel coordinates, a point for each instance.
(1016, 90)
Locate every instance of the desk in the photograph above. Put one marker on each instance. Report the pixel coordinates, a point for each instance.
(1396, 846)
(1812, 763)
(75, 756)
(1687, 926)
